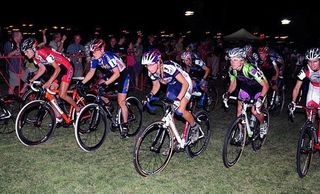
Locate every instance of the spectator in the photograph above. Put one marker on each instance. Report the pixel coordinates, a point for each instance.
(76, 53)
(57, 42)
(16, 69)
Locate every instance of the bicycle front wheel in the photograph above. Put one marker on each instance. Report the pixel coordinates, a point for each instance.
(91, 127)
(35, 123)
(134, 115)
(197, 147)
(10, 106)
(153, 149)
(304, 151)
(234, 143)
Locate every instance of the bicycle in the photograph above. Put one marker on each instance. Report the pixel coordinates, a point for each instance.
(156, 144)
(208, 100)
(241, 133)
(277, 99)
(36, 120)
(9, 108)
(308, 143)
(90, 136)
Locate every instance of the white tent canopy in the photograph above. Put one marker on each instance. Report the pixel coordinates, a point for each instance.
(241, 34)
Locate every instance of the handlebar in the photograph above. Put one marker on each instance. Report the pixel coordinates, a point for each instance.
(35, 86)
(148, 105)
(291, 112)
(225, 102)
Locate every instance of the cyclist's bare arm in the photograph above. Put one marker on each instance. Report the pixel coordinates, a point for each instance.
(296, 90)
(39, 73)
(232, 86)
(155, 87)
(207, 72)
(265, 87)
(56, 72)
(115, 75)
(276, 68)
(89, 75)
(184, 87)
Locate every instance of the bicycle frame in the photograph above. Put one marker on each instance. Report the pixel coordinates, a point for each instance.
(6, 113)
(245, 106)
(50, 96)
(168, 120)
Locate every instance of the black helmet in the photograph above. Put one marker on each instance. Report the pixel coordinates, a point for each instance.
(28, 44)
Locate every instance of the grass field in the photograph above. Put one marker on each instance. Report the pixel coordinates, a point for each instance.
(60, 166)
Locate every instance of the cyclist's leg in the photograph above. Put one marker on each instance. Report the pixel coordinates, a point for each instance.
(185, 114)
(123, 87)
(260, 116)
(63, 94)
(54, 86)
(313, 100)
(122, 103)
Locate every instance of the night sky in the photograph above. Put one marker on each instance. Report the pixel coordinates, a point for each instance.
(168, 15)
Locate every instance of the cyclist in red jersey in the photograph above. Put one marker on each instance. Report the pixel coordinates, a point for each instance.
(63, 70)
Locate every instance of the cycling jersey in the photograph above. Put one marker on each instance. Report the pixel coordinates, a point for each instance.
(313, 96)
(196, 68)
(248, 79)
(108, 62)
(170, 71)
(47, 56)
(268, 68)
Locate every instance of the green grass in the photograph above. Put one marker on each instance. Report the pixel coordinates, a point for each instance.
(60, 166)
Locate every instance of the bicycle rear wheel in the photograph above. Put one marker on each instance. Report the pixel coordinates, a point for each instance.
(305, 151)
(212, 99)
(10, 106)
(91, 127)
(134, 115)
(196, 148)
(153, 149)
(35, 123)
(234, 143)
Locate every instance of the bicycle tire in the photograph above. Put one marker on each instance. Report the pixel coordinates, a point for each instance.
(42, 110)
(304, 148)
(10, 106)
(212, 99)
(154, 141)
(231, 140)
(282, 98)
(88, 136)
(196, 148)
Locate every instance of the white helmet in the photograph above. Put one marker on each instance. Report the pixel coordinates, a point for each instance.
(151, 57)
(313, 53)
(237, 52)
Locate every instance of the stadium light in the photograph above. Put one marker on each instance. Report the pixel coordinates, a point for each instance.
(285, 21)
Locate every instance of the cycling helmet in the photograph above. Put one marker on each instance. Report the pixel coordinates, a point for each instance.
(313, 53)
(237, 52)
(28, 43)
(263, 50)
(151, 57)
(97, 44)
(186, 55)
(247, 48)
